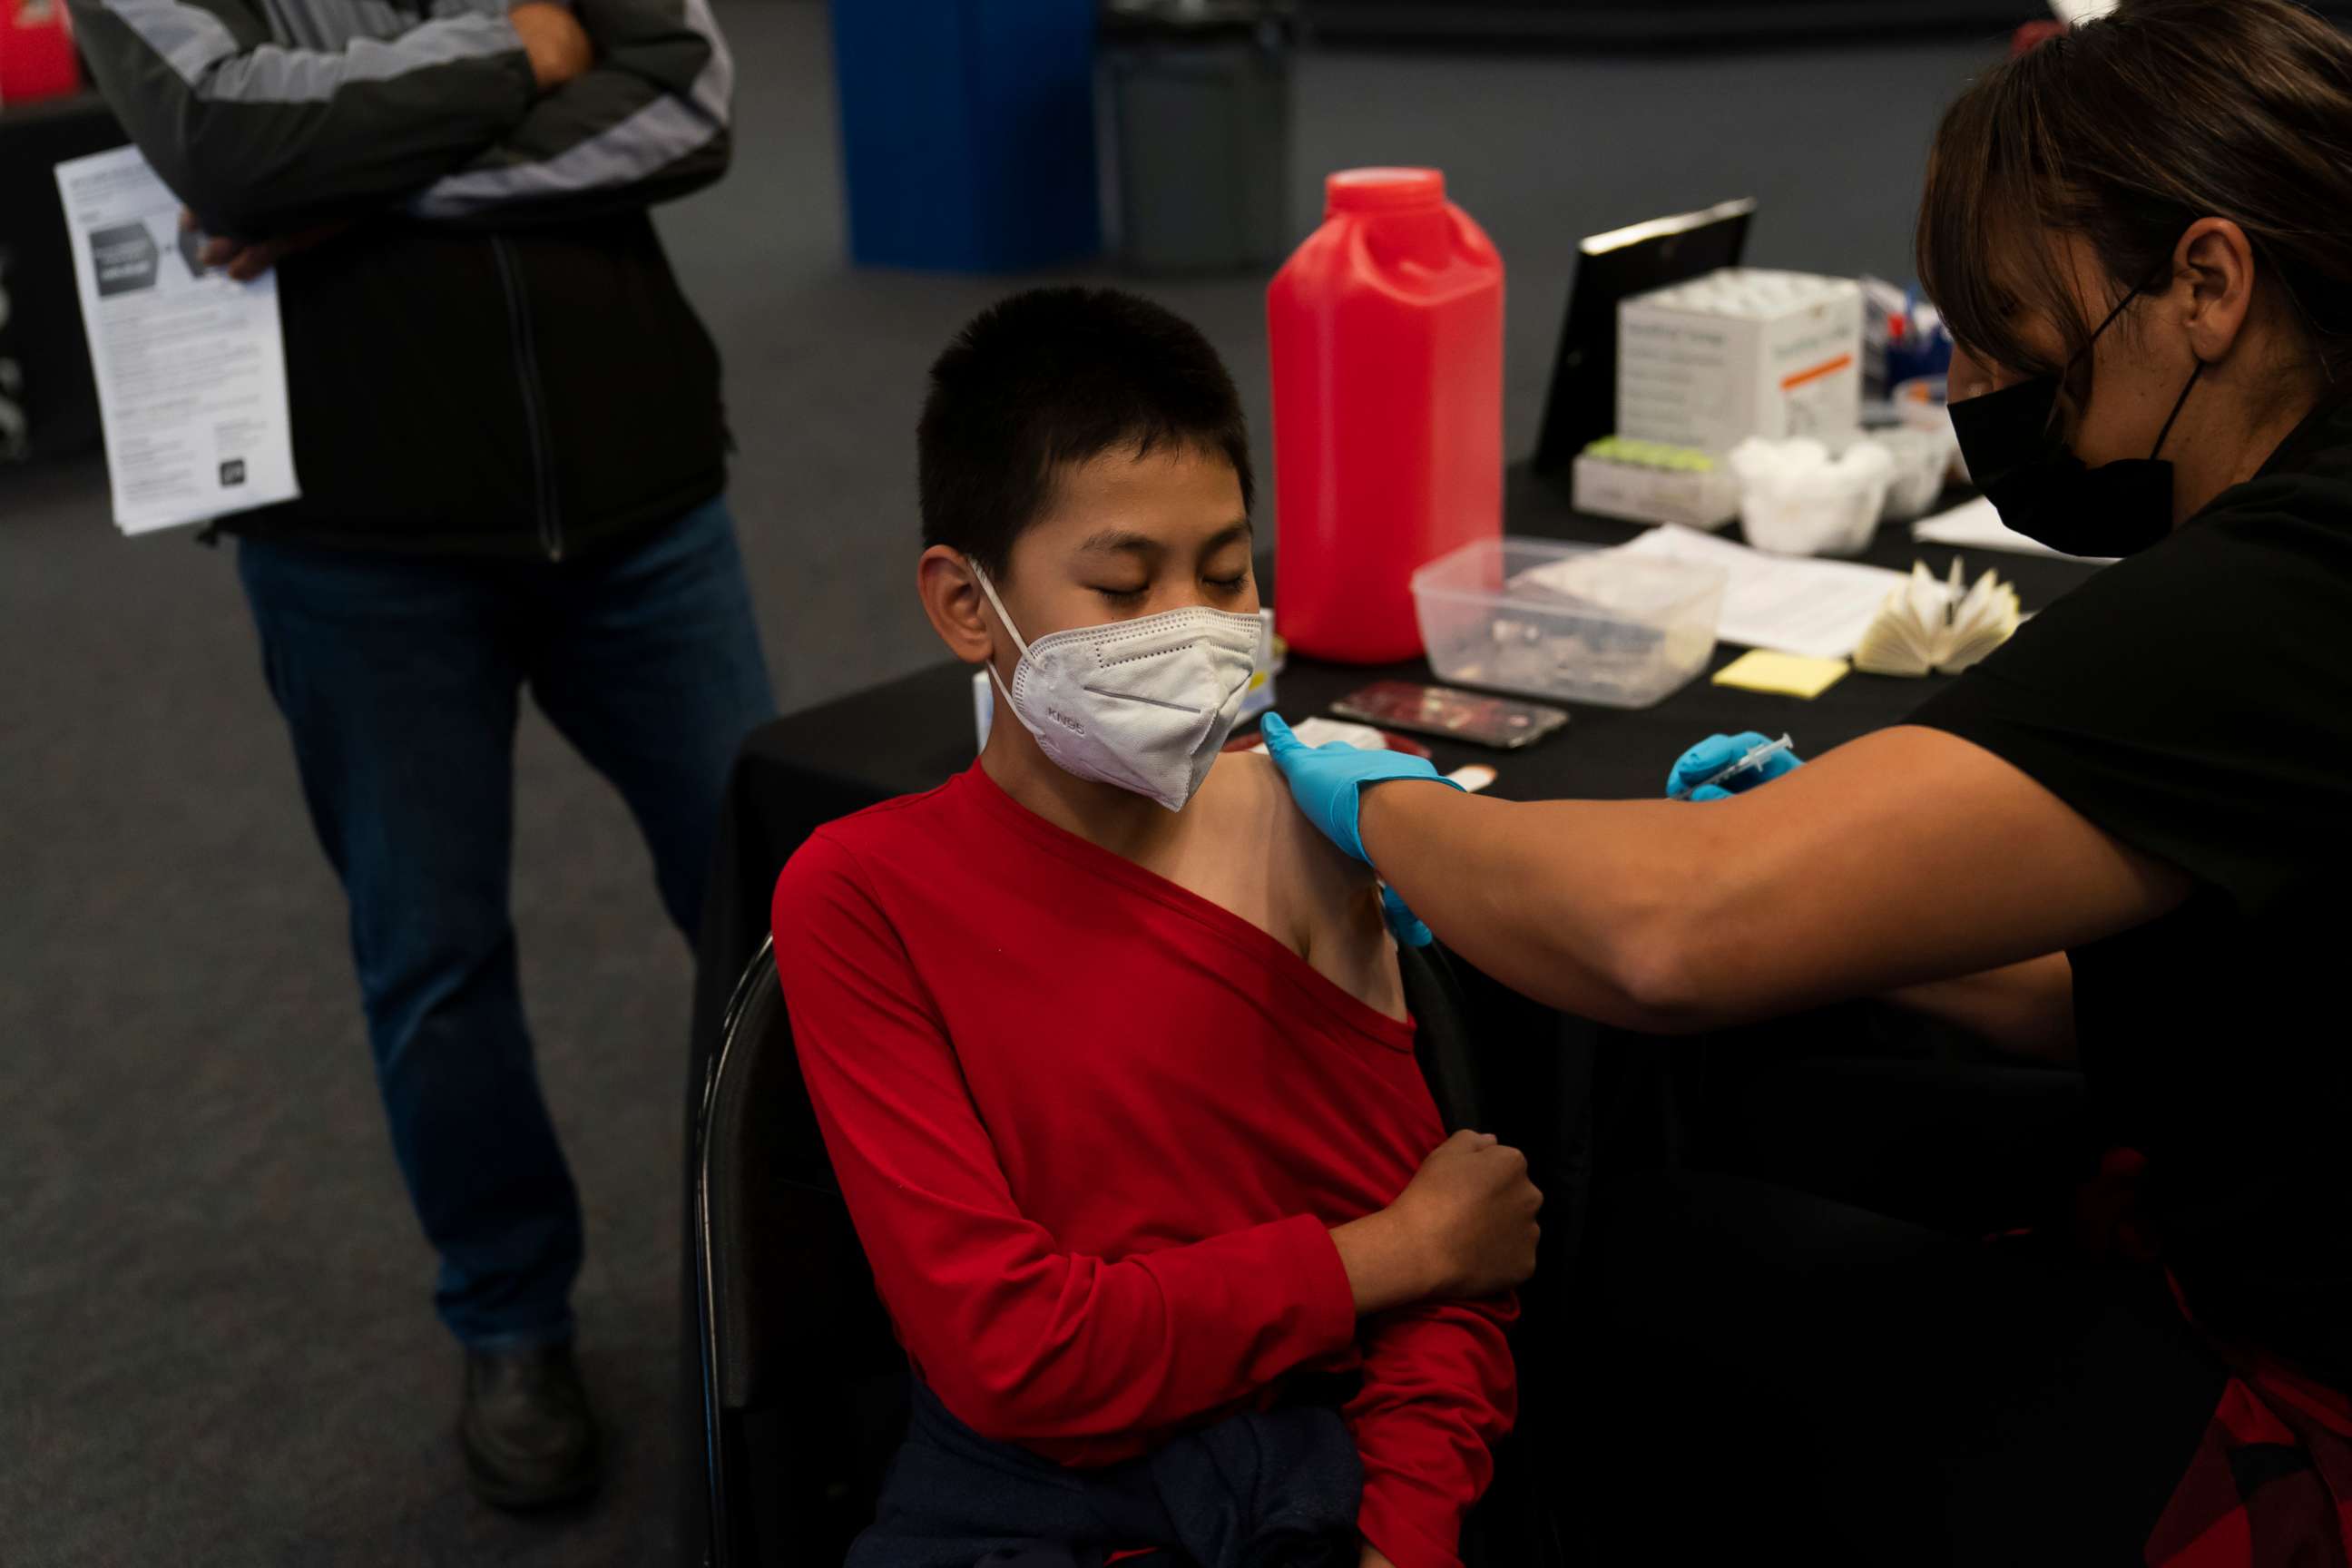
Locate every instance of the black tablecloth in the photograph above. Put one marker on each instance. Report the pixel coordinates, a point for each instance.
(1546, 1082)
(913, 733)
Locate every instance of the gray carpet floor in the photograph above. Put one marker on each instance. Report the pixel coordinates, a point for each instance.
(215, 1338)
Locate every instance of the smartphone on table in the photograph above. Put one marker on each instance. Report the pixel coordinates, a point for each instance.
(1503, 722)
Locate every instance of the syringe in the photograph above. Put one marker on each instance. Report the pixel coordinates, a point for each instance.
(1755, 757)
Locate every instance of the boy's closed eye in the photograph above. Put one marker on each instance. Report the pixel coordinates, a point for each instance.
(1224, 586)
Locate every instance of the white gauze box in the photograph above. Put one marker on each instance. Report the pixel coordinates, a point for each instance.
(1739, 352)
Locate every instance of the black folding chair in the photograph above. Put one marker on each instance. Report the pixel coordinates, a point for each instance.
(805, 1387)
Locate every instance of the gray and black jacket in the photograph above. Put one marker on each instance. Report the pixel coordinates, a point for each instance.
(495, 358)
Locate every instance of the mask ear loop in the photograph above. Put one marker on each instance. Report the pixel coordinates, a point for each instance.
(2100, 331)
(998, 604)
(2108, 321)
(2177, 407)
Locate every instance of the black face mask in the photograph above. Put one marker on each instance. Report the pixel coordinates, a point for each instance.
(2011, 443)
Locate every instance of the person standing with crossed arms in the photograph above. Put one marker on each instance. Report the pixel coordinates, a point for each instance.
(508, 430)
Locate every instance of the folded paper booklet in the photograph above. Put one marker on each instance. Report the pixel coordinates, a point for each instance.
(1926, 625)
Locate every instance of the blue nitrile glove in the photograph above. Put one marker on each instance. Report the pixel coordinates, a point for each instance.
(1403, 924)
(1325, 780)
(1718, 752)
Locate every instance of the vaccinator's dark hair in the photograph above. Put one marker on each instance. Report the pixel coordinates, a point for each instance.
(1057, 376)
(2124, 132)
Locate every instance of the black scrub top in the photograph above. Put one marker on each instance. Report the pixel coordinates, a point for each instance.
(2195, 701)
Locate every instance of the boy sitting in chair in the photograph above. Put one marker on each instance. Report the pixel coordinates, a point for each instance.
(1108, 1044)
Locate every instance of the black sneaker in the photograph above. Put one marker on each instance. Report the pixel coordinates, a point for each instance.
(528, 1436)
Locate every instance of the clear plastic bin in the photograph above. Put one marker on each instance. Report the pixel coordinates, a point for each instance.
(1574, 622)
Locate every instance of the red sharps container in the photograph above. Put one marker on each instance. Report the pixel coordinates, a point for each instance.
(37, 51)
(1386, 330)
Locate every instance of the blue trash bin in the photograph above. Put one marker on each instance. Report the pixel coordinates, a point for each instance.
(968, 131)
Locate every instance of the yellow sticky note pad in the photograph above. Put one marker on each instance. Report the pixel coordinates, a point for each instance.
(1787, 674)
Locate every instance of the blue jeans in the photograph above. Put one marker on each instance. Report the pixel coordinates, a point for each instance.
(400, 679)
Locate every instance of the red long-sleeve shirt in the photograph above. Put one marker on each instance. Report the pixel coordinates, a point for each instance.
(1093, 1130)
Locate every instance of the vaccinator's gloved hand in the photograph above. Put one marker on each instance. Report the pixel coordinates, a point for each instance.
(1325, 780)
(1403, 924)
(1718, 752)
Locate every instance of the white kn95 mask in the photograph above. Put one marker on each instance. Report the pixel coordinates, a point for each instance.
(1143, 704)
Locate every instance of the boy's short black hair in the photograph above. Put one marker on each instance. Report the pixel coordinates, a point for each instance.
(1053, 376)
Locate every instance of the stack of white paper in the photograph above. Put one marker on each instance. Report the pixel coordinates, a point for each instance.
(1975, 525)
(1788, 604)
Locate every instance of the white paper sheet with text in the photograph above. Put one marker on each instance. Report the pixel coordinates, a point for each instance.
(191, 367)
(1976, 525)
(1788, 604)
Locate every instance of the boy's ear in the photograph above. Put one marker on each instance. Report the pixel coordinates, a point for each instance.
(952, 597)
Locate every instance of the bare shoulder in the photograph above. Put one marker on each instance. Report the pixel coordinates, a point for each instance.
(1251, 789)
(1317, 856)
(1328, 901)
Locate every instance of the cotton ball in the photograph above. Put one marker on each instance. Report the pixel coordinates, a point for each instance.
(1755, 461)
(1780, 468)
(1820, 484)
(1865, 461)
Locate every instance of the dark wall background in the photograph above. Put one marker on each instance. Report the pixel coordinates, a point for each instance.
(1664, 23)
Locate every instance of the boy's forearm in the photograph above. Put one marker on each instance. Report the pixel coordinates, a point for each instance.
(1387, 1267)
